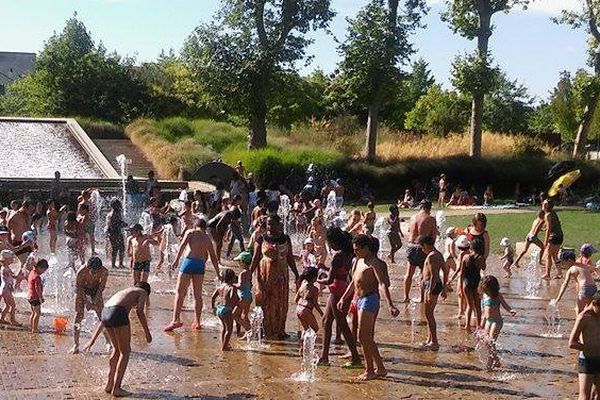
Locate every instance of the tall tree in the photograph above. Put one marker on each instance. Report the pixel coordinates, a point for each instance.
(237, 55)
(376, 46)
(473, 20)
(588, 16)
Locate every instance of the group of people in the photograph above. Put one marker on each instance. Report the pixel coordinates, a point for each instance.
(343, 260)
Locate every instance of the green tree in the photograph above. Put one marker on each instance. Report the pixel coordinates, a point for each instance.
(473, 20)
(439, 112)
(563, 107)
(78, 78)
(508, 107)
(588, 17)
(376, 46)
(237, 55)
(541, 119)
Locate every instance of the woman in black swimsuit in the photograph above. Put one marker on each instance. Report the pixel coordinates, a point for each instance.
(472, 265)
(478, 235)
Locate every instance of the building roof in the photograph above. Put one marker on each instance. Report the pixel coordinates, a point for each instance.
(14, 65)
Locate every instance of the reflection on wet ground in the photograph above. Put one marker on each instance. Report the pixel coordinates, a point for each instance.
(189, 364)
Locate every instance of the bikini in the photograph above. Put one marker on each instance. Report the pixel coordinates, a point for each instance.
(487, 303)
(223, 310)
(587, 291)
(340, 282)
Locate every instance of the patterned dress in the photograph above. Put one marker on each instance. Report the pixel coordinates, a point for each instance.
(272, 292)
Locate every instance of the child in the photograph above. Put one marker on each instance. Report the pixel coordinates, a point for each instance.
(74, 235)
(318, 233)
(307, 257)
(35, 293)
(355, 225)
(307, 299)
(492, 321)
(488, 196)
(114, 231)
(433, 285)
(471, 266)
(532, 237)
(585, 254)
(369, 219)
(138, 249)
(229, 300)
(508, 257)
(244, 287)
(584, 337)
(586, 285)
(395, 233)
(450, 249)
(7, 257)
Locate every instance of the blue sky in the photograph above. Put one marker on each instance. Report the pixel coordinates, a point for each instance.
(527, 45)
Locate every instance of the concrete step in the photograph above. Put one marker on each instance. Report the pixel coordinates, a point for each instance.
(111, 148)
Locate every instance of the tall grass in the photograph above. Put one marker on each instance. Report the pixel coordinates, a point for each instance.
(99, 129)
(168, 157)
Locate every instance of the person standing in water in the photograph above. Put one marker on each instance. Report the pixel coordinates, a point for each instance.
(421, 224)
(585, 337)
(433, 285)
(197, 247)
(115, 319)
(586, 286)
(90, 282)
(272, 258)
(138, 249)
(553, 240)
(367, 282)
(532, 237)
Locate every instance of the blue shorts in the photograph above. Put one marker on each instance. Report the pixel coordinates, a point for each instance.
(245, 293)
(369, 303)
(141, 266)
(192, 266)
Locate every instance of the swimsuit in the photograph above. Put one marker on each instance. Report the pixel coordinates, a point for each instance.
(416, 256)
(587, 291)
(369, 302)
(588, 365)
(437, 288)
(353, 306)
(340, 282)
(223, 310)
(142, 266)
(245, 292)
(489, 302)
(114, 316)
(471, 275)
(90, 292)
(192, 266)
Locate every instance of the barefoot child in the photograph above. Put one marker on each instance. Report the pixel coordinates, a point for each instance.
(369, 219)
(35, 293)
(7, 257)
(115, 319)
(586, 286)
(228, 301)
(307, 299)
(472, 265)
(492, 321)
(585, 337)
(507, 257)
(395, 232)
(52, 214)
(434, 286)
(463, 246)
(138, 249)
(532, 237)
(450, 249)
(367, 282)
(244, 287)
(307, 256)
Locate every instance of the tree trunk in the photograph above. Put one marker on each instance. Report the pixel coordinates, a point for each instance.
(258, 118)
(584, 127)
(483, 38)
(476, 118)
(371, 142)
(258, 132)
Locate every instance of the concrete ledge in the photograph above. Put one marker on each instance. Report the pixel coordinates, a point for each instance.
(81, 137)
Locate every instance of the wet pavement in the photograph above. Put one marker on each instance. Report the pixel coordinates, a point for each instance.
(188, 364)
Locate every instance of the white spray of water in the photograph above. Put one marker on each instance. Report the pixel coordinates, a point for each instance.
(310, 358)
(552, 319)
(533, 280)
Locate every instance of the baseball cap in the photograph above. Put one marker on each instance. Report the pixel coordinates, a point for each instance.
(588, 249)
(244, 256)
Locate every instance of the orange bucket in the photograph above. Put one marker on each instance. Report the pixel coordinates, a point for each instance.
(60, 324)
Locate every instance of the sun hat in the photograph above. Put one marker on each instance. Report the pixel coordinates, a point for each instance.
(244, 256)
(450, 231)
(308, 241)
(505, 242)
(588, 249)
(462, 242)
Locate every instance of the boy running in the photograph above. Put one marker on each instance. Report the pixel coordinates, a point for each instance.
(586, 287)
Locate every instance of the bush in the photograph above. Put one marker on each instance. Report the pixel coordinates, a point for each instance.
(527, 146)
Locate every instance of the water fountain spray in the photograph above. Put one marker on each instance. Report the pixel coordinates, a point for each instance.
(255, 337)
(552, 319)
(123, 161)
(310, 358)
(533, 281)
(284, 211)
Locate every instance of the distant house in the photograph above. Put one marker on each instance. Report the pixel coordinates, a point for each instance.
(13, 66)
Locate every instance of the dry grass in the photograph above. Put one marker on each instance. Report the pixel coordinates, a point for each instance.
(394, 147)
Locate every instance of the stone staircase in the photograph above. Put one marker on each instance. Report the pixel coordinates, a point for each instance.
(111, 148)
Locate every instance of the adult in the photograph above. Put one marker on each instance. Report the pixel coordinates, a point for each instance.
(478, 235)
(90, 282)
(56, 188)
(219, 225)
(272, 258)
(443, 188)
(151, 183)
(421, 224)
(553, 240)
(115, 319)
(532, 237)
(198, 247)
(20, 222)
(337, 279)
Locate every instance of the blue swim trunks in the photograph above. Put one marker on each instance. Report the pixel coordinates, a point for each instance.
(192, 266)
(223, 310)
(369, 303)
